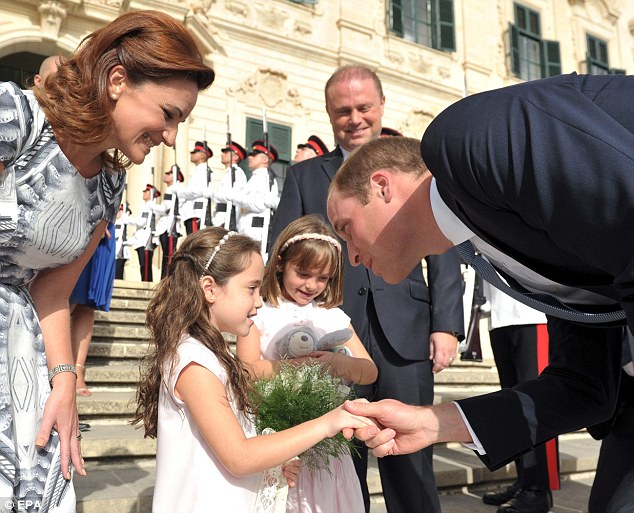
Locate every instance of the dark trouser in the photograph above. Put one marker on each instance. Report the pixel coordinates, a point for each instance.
(613, 487)
(119, 265)
(145, 263)
(192, 225)
(516, 349)
(168, 244)
(408, 481)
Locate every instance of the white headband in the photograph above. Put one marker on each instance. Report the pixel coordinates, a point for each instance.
(227, 236)
(317, 236)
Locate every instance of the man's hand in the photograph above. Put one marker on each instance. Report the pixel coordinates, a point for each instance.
(443, 347)
(402, 429)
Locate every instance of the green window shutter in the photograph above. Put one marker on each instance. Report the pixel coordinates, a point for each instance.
(445, 25)
(616, 71)
(551, 59)
(279, 136)
(515, 49)
(254, 132)
(396, 17)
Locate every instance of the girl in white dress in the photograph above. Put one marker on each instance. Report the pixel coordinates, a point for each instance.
(194, 395)
(302, 288)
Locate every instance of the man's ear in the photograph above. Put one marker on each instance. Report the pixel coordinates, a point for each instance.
(209, 289)
(117, 80)
(381, 185)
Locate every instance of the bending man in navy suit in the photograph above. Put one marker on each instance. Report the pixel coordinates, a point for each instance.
(539, 177)
(408, 328)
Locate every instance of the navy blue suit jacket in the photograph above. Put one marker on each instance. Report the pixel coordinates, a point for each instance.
(544, 171)
(407, 312)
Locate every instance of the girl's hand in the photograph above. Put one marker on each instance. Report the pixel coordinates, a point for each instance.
(291, 471)
(324, 357)
(60, 413)
(341, 421)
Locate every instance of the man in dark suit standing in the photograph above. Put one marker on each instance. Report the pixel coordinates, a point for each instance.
(538, 178)
(410, 329)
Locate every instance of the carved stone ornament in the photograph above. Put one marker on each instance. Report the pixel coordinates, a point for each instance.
(612, 8)
(269, 88)
(417, 122)
(52, 13)
(199, 6)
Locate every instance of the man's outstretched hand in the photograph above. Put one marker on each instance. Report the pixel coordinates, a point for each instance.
(402, 429)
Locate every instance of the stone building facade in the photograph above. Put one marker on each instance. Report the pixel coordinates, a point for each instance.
(273, 57)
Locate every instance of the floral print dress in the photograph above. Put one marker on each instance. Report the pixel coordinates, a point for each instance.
(48, 213)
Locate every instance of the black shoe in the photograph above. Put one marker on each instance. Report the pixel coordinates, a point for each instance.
(83, 426)
(497, 498)
(528, 501)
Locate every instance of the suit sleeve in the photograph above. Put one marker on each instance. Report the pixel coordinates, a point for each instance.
(445, 287)
(578, 389)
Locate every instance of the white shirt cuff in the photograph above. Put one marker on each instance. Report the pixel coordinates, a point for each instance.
(476, 445)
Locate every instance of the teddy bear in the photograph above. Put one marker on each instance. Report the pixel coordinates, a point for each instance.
(302, 341)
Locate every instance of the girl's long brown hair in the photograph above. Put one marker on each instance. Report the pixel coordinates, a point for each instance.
(306, 254)
(150, 45)
(179, 307)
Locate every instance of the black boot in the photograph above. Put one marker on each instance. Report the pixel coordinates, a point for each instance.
(502, 496)
(528, 501)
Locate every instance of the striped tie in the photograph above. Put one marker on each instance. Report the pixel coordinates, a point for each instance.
(545, 303)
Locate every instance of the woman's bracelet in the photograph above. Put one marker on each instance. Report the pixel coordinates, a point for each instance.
(63, 367)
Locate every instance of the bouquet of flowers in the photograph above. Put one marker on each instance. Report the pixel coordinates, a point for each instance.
(296, 394)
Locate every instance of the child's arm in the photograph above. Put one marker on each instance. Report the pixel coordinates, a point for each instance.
(248, 352)
(205, 396)
(358, 368)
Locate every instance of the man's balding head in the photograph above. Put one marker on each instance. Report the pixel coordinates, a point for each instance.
(48, 66)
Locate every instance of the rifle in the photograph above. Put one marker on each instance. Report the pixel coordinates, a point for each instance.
(267, 233)
(173, 232)
(149, 245)
(208, 208)
(124, 227)
(473, 348)
(232, 213)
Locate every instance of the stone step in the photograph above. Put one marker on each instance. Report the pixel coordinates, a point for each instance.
(103, 372)
(116, 441)
(101, 348)
(136, 289)
(467, 376)
(128, 303)
(127, 485)
(107, 404)
(112, 331)
(131, 317)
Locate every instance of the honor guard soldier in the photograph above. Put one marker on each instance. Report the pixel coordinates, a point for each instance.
(143, 241)
(314, 147)
(192, 206)
(122, 244)
(168, 228)
(226, 213)
(259, 195)
(390, 132)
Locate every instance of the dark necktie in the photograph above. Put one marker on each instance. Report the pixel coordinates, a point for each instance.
(542, 302)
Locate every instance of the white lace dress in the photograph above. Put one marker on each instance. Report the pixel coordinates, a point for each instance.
(337, 491)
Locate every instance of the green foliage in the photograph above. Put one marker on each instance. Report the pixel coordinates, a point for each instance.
(297, 394)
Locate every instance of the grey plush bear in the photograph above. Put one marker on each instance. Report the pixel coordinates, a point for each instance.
(302, 341)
